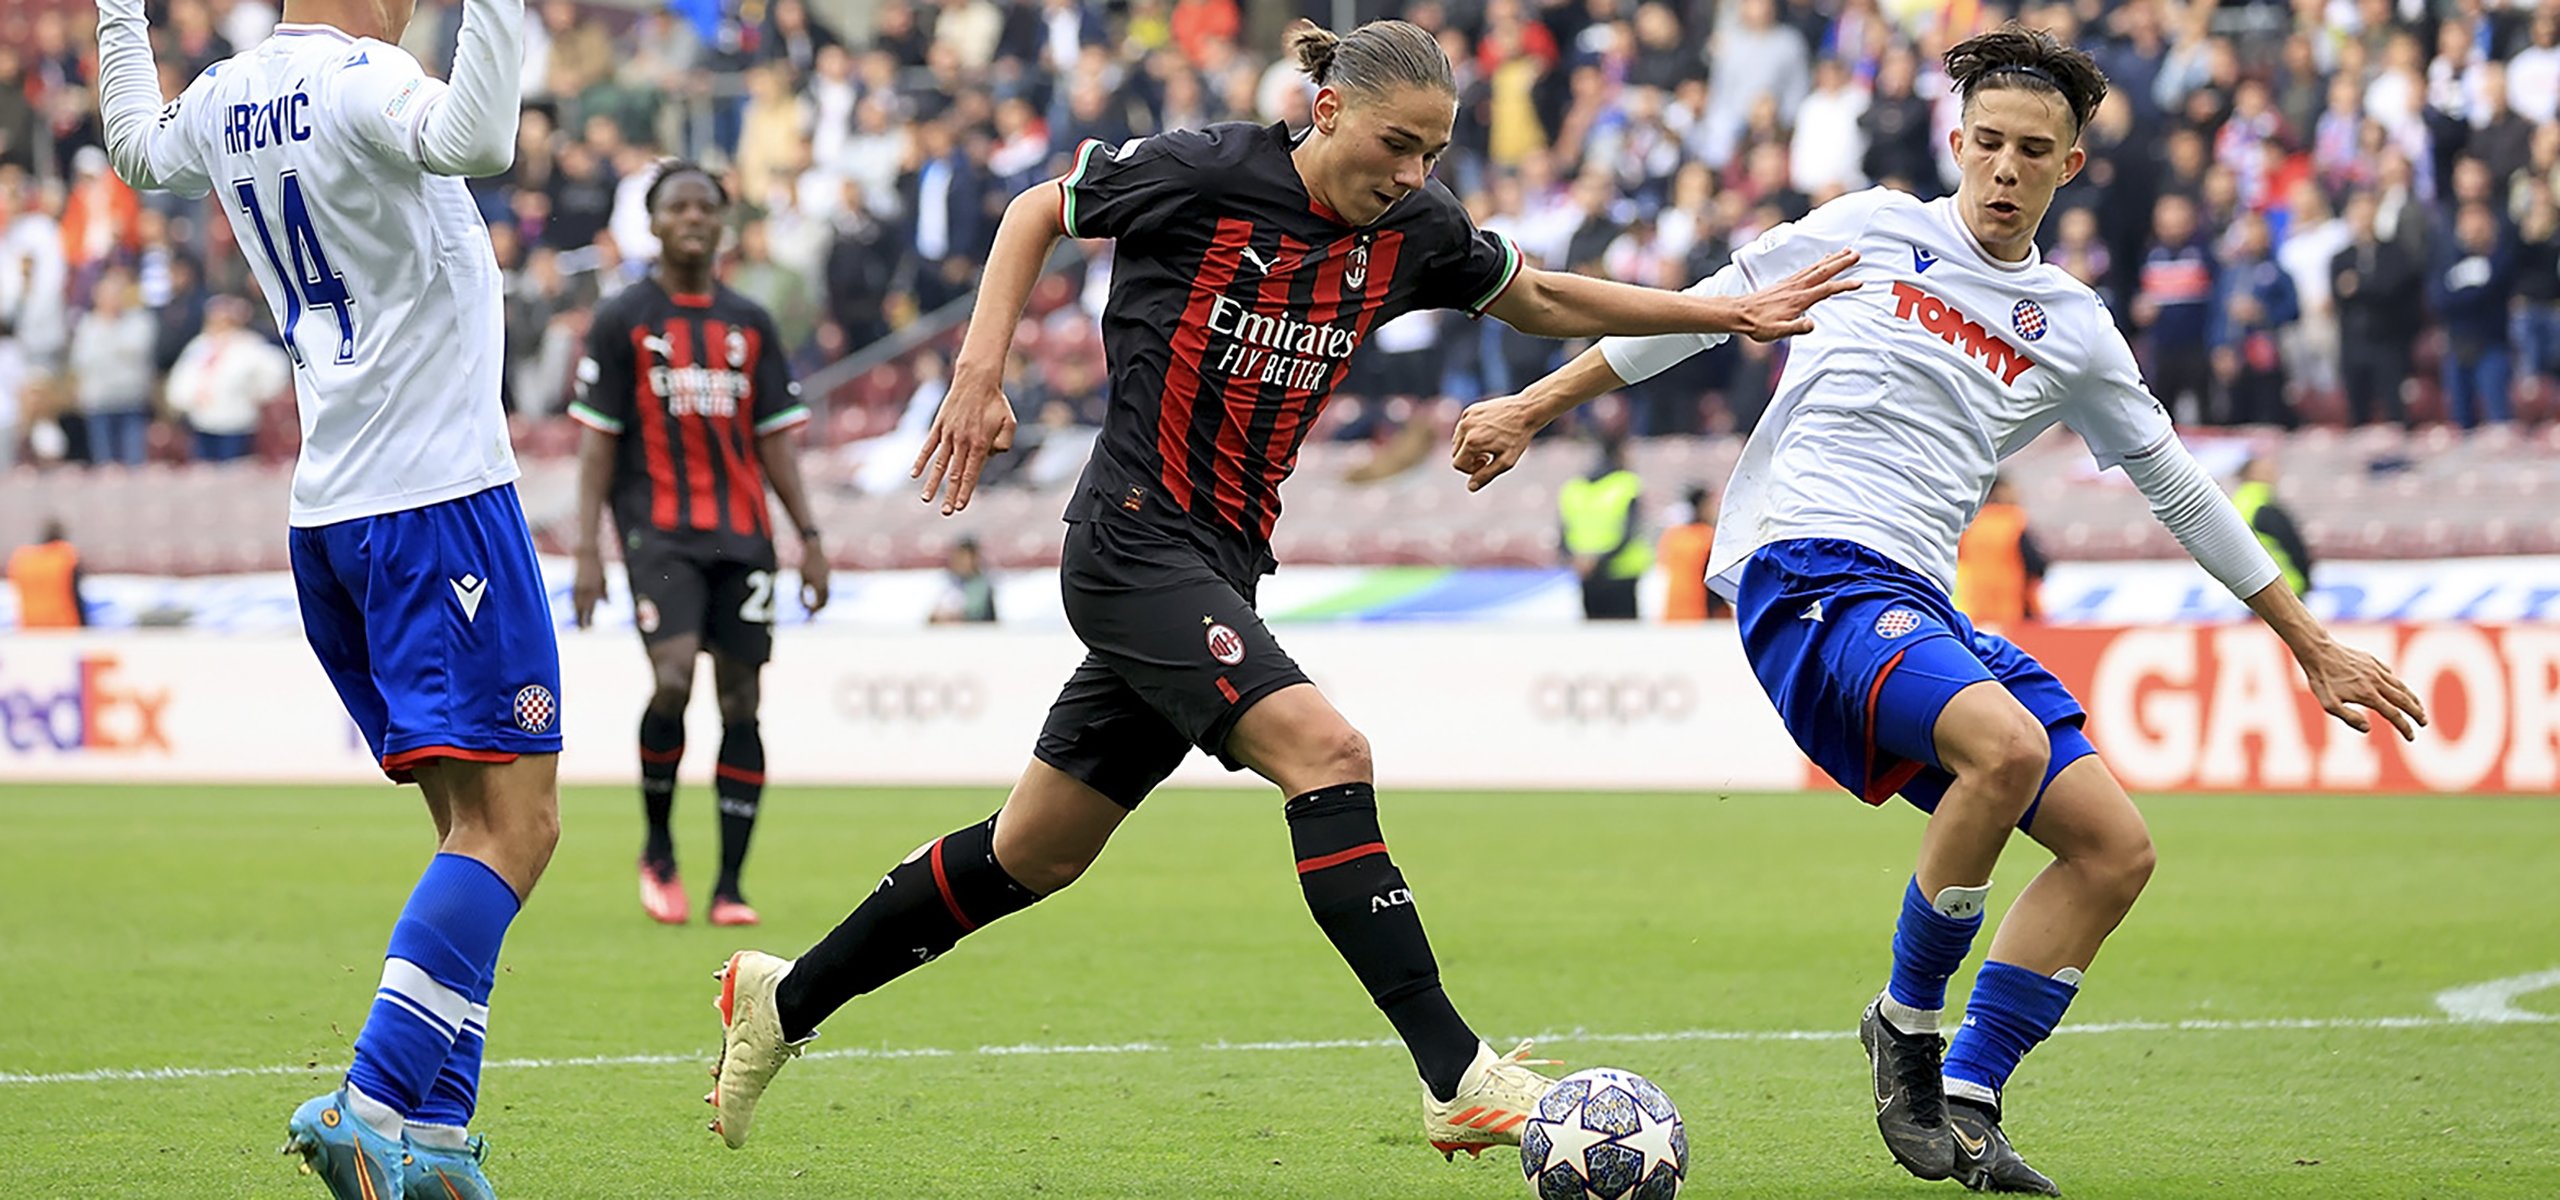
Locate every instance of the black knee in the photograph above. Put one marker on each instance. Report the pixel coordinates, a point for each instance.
(668, 699)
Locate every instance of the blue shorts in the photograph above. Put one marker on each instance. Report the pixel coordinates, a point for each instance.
(435, 628)
(1861, 654)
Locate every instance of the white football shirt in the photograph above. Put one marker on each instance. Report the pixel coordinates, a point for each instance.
(1892, 416)
(378, 271)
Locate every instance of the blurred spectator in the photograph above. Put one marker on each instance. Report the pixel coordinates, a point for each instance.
(2537, 317)
(2253, 307)
(2473, 281)
(2312, 239)
(2077, 250)
(224, 379)
(2375, 281)
(968, 595)
(111, 360)
(1752, 56)
(2173, 307)
(13, 387)
(102, 218)
(1999, 568)
(1601, 516)
(47, 576)
(2255, 497)
(1830, 146)
(1683, 551)
(1896, 127)
(18, 123)
(783, 291)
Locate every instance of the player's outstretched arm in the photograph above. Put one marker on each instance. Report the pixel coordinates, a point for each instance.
(1560, 304)
(470, 128)
(975, 419)
(1493, 434)
(146, 150)
(2342, 677)
(2185, 499)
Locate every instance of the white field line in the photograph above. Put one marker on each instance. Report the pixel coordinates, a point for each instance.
(2491, 1003)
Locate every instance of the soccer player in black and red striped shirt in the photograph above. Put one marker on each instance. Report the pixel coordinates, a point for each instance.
(690, 410)
(1251, 262)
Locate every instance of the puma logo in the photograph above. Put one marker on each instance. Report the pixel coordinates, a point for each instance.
(1261, 266)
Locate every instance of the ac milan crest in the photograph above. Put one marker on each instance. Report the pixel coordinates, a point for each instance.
(737, 348)
(1226, 645)
(1356, 276)
(1896, 623)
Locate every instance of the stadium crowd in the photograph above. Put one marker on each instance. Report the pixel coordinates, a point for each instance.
(2336, 211)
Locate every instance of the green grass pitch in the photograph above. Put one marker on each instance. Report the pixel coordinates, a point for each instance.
(2236, 1039)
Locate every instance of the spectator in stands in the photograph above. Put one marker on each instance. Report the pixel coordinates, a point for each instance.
(47, 576)
(2174, 306)
(1602, 537)
(13, 387)
(1900, 151)
(2077, 250)
(1683, 551)
(2312, 239)
(224, 379)
(18, 123)
(1999, 568)
(101, 218)
(779, 288)
(111, 360)
(2254, 307)
(2375, 281)
(968, 595)
(2473, 280)
(2255, 497)
(2537, 304)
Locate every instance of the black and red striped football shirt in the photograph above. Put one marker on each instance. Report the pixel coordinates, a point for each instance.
(1236, 302)
(687, 384)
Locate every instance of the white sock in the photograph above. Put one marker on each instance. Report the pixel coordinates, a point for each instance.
(375, 1113)
(1957, 1089)
(440, 1137)
(1906, 1018)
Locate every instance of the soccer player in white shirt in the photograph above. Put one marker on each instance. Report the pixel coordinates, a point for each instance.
(339, 162)
(1837, 548)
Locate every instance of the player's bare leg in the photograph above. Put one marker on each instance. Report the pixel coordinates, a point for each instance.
(1051, 828)
(2102, 858)
(1295, 738)
(506, 815)
(671, 668)
(738, 781)
(1996, 751)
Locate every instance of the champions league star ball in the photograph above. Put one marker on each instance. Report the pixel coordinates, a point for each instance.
(1605, 1134)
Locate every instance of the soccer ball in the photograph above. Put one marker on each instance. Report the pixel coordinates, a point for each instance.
(1605, 1134)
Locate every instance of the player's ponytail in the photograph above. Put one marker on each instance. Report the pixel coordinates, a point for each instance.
(1374, 59)
(2014, 56)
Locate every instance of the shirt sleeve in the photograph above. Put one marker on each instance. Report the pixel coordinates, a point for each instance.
(778, 403)
(1478, 265)
(2111, 409)
(150, 144)
(1791, 247)
(467, 127)
(1133, 188)
(606, 376)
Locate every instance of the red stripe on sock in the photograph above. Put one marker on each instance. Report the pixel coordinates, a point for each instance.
(742, 775)
(944, 883)
(648, 755)
(1339, 857)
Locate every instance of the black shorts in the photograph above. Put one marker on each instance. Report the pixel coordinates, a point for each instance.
(1174, 654)
(722, 590)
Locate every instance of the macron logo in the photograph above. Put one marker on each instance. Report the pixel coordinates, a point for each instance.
(1922, 260)
(467, 591)
(1812, 612)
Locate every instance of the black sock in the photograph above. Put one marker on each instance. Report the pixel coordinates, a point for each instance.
(661, 749)
(1360, 900)
(923, 907)
(739, 779)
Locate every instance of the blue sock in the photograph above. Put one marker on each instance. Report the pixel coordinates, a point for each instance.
(435, 982)
(2012, 1009)
(1928, 946)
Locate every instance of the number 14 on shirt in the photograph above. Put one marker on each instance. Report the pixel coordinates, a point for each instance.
(309, 281)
